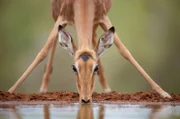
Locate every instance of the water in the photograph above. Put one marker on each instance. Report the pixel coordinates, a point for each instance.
(94, 111)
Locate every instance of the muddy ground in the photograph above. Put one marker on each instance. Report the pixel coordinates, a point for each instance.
(97, 97)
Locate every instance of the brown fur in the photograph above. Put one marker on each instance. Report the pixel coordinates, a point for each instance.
(66, 8)
(90, 52)
(85, 78)
(82, 14)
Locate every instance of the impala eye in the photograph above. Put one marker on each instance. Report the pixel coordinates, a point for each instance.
(96, 68)
(74, 68)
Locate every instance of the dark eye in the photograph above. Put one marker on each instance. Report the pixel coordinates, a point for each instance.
(74, 68)
(96, 68)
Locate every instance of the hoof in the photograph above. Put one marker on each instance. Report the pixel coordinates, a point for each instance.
(42, 90)
(108, 90)
(11, 90)
(165, 95)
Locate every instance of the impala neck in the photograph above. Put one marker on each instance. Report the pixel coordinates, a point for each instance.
(83, 17)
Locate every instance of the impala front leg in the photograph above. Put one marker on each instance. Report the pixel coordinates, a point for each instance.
(48, 70)
(41, 55)
(102, 78)
(106, 24)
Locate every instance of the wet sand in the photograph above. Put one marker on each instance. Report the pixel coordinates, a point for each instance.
(113, 97)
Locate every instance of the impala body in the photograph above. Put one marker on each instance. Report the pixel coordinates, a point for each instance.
(85, 16)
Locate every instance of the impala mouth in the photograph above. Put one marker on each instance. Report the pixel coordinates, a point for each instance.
(83, 101)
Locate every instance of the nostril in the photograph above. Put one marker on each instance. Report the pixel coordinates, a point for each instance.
(85, 101)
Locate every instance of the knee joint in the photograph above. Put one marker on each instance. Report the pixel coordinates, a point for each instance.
(125, 53)
(48, 69)
(42, 55)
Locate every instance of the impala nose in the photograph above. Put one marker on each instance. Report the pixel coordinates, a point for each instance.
(85, 101)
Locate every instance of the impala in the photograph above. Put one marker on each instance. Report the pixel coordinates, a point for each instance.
(85, 16)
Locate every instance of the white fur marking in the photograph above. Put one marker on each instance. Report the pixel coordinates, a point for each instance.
(68, 42)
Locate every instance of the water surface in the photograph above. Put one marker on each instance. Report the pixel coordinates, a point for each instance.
(94, 111)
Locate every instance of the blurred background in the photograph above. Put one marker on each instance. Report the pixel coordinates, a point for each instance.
(149, 28)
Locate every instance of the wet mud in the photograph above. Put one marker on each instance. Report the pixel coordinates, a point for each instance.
(97, 97)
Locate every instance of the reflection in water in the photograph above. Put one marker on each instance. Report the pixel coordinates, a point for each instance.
(11, 110)
(88, 111)
(16, 114)
(46, 112)
(164, 112)
(155, 111)
(101, 112)
(85, 112)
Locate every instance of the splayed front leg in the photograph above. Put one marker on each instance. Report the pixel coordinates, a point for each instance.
(102, 78)
(41, 55)
(106, 24)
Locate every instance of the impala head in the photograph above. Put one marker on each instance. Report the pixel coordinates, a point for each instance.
(85, 64)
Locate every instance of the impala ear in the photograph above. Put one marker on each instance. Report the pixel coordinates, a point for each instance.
(105, 41)
(65, 40)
